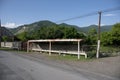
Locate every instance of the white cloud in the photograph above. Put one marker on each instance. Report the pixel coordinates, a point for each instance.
(100, 24)
(11, 25)
(109, 15)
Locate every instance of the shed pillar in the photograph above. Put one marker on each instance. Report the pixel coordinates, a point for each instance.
(28, 46)
(78, 49)
(50, 48)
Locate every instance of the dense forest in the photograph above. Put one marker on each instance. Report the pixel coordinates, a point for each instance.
(111, 37)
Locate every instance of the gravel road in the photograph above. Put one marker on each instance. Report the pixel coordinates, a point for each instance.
(35, 66)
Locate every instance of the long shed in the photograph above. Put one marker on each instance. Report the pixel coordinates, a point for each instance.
(50, 41)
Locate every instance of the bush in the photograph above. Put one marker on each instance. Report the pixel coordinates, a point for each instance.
(107, 51)
(91, 54)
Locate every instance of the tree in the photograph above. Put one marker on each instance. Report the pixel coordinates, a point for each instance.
(22, 36)
(106, 38)
(92, 36)
(112, 37)
(115, 33)
(55, 32)
(71, 32)
(5, 38)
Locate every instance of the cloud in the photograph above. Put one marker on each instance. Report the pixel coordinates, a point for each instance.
(11, 25)
(109, 15)
(101, 24)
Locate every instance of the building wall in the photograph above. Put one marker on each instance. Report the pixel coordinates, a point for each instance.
(16, 45)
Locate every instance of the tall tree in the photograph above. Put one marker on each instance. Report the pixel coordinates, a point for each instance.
(92, 36)
(112, 37)
(115, 32)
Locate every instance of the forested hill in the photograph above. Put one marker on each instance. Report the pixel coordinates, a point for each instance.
(37, 25)
(32, 27)
(110, 35)
(6, 32)
(103, 28)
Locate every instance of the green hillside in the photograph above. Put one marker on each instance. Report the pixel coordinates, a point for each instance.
(50, 30)
(36, 25)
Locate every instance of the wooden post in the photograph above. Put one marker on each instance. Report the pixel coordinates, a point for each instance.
(0, 33)
(50, 48)
(78, 49)
(98, 44)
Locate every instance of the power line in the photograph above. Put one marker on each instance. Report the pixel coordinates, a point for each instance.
(99, 23)
(89, 14)
(110, 10)
(86, 15)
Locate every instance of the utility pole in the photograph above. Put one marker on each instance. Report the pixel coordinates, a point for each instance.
(98, 43)
(0, 33)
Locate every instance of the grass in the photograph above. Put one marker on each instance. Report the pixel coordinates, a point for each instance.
(105, 51)
(10, 49)
(7, 49)
(54, 56)
(67, 57)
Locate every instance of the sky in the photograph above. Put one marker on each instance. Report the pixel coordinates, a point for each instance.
(14, 13)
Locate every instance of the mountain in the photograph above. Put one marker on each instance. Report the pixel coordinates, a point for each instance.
(103, 28)
(32, 27)
(67, 25)
(6, 32)
(7, 35)
(107, 27)
(87, 28)
(36, 25)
